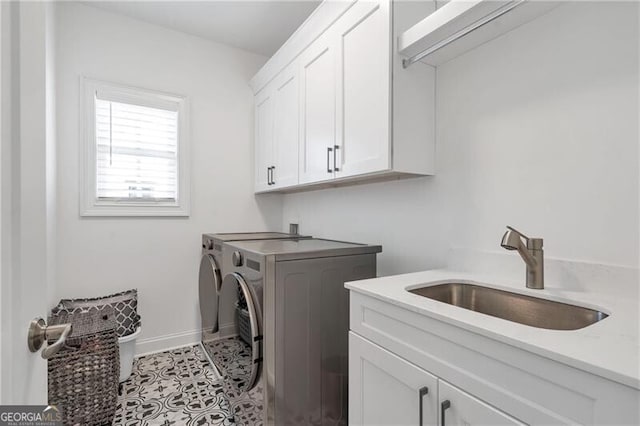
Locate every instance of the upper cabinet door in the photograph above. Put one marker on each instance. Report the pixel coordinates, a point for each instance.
(317, 110)
(263, 138)
(384, 389)
(285, 129)
(364, 87)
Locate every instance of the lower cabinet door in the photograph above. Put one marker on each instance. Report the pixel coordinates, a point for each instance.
(457, 407)
(384, 389)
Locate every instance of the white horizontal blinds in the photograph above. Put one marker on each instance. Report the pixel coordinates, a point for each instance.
(136, 152)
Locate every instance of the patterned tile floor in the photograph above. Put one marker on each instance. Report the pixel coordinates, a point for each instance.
(232, 356)
(176, 387)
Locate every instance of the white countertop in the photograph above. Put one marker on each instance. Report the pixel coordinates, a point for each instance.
(609, 348)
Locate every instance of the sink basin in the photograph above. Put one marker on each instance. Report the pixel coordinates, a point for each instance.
(532, 311)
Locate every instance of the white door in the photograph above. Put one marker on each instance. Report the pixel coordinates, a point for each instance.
(263, 138)
(26, 219)
(285, 128)
(4, 35)
(363, 89)
(384, 389)
(317, 110)
(459, 408)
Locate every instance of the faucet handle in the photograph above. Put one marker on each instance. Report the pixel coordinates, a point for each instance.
(532, 243)
(511, 228)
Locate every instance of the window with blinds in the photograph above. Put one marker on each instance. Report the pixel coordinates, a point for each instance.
(135, 152)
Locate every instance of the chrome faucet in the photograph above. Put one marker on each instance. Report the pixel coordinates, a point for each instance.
(531, 253)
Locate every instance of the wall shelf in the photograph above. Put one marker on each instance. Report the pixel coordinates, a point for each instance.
(461, 25)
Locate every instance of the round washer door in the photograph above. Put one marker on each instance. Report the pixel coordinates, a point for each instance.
(245, 371)
(209, 285)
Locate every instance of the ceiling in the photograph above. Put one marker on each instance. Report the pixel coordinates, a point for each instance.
(257, 26)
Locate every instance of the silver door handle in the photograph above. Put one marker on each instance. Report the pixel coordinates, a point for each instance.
(39, 332)
(329, 169)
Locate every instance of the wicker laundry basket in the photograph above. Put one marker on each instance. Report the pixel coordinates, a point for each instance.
(83, 375)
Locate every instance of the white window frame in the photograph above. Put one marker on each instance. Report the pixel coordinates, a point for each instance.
(90, 205)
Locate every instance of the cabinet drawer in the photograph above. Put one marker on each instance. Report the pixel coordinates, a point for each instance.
(459, 408)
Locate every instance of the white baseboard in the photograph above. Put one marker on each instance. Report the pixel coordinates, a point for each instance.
(167, 342)
(227, 330)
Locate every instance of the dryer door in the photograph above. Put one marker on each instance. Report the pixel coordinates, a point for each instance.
(209, 285)
(243, 354)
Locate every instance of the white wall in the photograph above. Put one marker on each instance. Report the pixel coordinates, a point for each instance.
(537, 129)
(158, 256)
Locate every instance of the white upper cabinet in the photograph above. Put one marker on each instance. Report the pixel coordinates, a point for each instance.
(359, 114)
(276, 134)
(317, 111)
(363, 88)
(284, 172)
(263, 139)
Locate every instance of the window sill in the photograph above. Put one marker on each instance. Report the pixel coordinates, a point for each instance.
(130, 209)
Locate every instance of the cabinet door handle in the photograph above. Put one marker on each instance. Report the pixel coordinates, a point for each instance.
(273, 181)
(421, 393)
(443, 407)
(335, 152)
(269, 176)
(329, 169)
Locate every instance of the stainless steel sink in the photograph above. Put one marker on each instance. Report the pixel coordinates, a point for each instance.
(514, 307)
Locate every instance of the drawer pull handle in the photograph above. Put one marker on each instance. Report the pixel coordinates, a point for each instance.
(443, 407)
(421, 393)
(329, 169)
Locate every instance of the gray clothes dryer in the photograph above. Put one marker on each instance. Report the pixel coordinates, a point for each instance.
(287, 361)
(211, 274)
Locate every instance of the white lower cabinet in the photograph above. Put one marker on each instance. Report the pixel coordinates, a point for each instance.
(472, 379)
(384, 389)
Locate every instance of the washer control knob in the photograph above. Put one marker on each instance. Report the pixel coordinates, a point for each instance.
(207, 245)
(236, 258)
